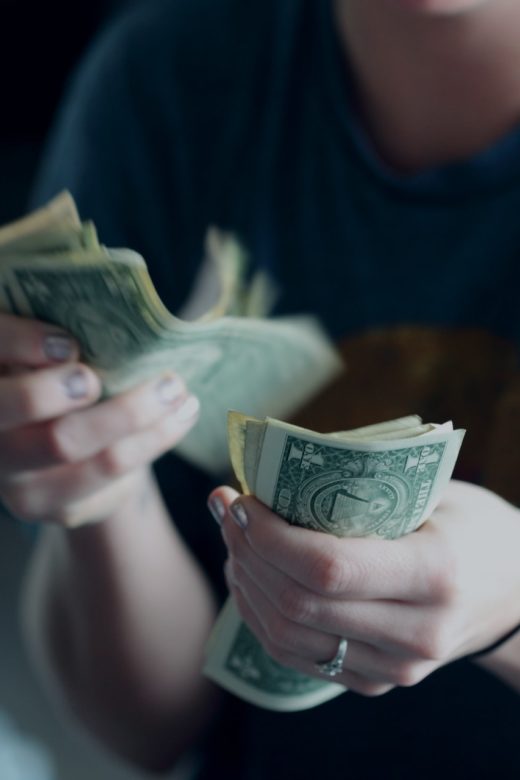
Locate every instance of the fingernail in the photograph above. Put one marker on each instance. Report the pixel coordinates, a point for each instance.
(188, 409)
(76, 384)
(217, 509)
(239, 514)
(57, 347)
(169, 389)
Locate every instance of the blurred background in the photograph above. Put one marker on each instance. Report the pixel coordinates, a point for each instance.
(40, 45)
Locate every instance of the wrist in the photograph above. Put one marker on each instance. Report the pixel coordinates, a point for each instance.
(126, 496)
(496, 645)
(504, 661)
(106, 536)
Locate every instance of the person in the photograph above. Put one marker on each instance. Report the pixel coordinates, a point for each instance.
(367, 154)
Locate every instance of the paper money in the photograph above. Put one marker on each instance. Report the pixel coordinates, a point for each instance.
(59, 214)
(382, 480)
(53, 268)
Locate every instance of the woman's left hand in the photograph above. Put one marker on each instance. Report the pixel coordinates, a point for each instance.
(406, 606)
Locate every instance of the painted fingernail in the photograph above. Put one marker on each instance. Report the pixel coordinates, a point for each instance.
(239, 514)
(57, 347)
(76, 384)
(217, 508)
(168, 389)
(188, 409)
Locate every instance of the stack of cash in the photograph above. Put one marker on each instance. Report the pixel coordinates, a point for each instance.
(53, 268)
(381, 480)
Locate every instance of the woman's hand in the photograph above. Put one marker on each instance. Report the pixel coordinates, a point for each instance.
(63, 458)
(406, 606)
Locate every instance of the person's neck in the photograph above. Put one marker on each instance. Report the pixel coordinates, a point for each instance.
(433, 89)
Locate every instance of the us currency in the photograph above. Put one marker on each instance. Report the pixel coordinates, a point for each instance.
(59, 214)
(53, 268)
(382, 480)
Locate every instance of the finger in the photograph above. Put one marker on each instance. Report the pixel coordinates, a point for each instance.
(349, 679)
(219, 501)
(366, 669)
(80, 435)
(390, 625)
(280, 635)
(44, 495)
(32, 343)
(402, 569)
(46, 393)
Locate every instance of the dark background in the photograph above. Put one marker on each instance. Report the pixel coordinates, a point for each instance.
(41, 42)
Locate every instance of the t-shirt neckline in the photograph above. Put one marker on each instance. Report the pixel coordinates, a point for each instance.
(496, 167)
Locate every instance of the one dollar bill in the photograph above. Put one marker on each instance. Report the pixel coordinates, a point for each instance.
(53, 268)
(382, 480)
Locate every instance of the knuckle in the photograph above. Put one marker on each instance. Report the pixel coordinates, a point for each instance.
(295, 605)
(443, 582)
(279, 634)
(439, 647)
(61, 442)
(328, 574)
(114, 461)
(405, 675)
(429, 644)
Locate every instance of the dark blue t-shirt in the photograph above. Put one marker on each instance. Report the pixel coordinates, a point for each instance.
(242, 114)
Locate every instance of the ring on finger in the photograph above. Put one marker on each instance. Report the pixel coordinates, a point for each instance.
(335, 665)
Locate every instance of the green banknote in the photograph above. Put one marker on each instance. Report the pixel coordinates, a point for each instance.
(53, 268)
(382, 480)
(59, 214)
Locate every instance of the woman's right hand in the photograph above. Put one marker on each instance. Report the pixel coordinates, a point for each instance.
(64, 458)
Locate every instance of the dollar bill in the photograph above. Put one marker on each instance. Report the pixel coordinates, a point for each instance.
(59, 214)
(382, 480)
(53, 268)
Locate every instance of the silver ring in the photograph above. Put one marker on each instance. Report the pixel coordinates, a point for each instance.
(335, 665)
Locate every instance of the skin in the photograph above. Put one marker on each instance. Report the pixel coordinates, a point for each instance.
(123, 649)
(406, 607)
(438, 80)
(437, 598)
(71, 463)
